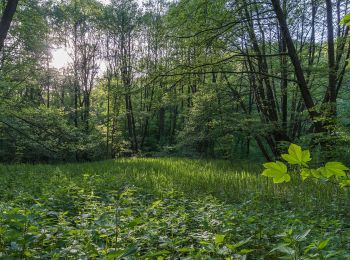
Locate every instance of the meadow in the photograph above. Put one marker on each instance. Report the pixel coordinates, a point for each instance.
(167, 208)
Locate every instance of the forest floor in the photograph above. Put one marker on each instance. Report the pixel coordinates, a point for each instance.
(168, 208)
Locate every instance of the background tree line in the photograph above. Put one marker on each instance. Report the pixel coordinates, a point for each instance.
(223, 78)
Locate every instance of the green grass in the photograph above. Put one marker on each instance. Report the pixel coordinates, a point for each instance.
(167, 208)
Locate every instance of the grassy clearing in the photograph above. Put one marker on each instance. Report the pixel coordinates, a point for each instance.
(167, 208)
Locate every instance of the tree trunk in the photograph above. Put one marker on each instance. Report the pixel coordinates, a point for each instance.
(6, 20)
(108, 114)
(331, 94)
(304, 90)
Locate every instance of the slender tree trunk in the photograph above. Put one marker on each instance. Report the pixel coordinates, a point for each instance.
(76, 81)
(108, 114)
(284, 76)
(331, 94)
(303, 87)
(6, 20)
(161, 126)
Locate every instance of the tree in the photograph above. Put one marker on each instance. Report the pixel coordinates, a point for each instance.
(6, 19)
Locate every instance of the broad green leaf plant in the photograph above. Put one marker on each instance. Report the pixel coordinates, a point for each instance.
(332, 171)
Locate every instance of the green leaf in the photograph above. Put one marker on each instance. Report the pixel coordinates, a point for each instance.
(344, 183)
(333, 169)
(276, 170)
(306, 156)
(135, 222)
(156, 204)
(305, 173)
(348, 61)
(296, 155)
(114, 254)
(128, 212)
(346, 20)
(337, 168)
(239, 244)
(323, 244)
(281, 179)
(245, 251)
(316, 173)
(185, 250)
(284, 249)
(219, 239)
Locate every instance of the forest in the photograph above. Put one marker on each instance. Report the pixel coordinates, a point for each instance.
(174, 129)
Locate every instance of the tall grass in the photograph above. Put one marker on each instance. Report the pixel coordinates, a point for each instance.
(228, 181)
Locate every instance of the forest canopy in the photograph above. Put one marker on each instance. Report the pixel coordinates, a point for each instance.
(219, 79)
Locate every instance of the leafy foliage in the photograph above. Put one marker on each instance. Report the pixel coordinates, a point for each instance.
(346, 20)
(277, 171)
(297, 156)
(166, 209)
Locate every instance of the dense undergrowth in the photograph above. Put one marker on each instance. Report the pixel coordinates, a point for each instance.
(166, 209)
